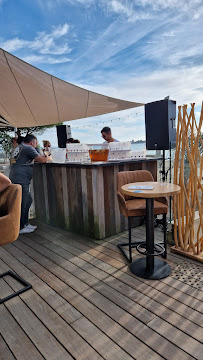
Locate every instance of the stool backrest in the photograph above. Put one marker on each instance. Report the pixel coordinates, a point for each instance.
(126, 177)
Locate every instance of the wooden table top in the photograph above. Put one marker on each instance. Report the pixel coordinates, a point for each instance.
(158, 190)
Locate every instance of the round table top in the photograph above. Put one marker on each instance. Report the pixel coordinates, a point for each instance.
(159, 189)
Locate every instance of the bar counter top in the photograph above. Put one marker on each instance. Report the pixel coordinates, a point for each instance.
(103, 163)
(82, 197)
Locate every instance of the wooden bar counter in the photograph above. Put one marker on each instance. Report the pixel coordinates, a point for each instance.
(82, 198)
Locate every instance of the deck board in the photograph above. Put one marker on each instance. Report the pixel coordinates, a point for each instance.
(86, 304)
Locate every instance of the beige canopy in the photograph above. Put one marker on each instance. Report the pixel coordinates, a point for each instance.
(32, 97)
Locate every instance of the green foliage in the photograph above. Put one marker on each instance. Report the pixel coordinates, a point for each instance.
(28, 130)
(5, 137)
(5, 143)
(36, 129)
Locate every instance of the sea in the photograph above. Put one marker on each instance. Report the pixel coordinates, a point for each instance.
(142, 146)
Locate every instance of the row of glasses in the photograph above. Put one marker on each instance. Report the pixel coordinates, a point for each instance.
(77, 152)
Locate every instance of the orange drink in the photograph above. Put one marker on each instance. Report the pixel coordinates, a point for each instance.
(99, 155)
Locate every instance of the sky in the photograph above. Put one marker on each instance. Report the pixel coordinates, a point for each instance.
(136, 50)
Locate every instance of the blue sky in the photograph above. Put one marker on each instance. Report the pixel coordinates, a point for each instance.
(138, 50)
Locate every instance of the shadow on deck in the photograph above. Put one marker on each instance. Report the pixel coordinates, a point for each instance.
(86, 304)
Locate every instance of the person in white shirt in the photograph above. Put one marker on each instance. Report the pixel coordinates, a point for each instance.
(106, 134)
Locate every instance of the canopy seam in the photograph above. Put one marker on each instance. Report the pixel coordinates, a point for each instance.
(55, 99)
(87, 104)
(19, 87)
(7, 113)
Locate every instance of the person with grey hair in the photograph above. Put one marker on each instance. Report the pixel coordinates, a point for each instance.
(22, 161)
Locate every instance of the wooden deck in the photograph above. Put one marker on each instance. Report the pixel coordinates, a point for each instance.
(85, 303)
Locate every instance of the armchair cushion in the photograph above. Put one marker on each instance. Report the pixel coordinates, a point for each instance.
(10, 210)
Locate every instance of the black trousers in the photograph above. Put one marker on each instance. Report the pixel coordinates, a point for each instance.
(25, 205)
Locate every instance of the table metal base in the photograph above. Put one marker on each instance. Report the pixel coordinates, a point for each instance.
(160, 270)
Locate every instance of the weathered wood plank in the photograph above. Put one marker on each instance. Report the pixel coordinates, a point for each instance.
(84, 200)
(111, 243)
(110, 350)
(98, 203)
(191, 346)
(51, 186)
(58, 327)
(42, 338)
(137, 311)
(59, 219)
(39, 194)
(154, 306)
(91, 185)
(6, 353)
(84, 287)
(65, 198)
(118, 334)
(16, 339)
(90, 203)
(46, 197)
(117, 211)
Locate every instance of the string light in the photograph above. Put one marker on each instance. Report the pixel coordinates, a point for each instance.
(104, 122)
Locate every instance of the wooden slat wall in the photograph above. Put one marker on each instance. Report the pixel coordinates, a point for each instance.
(82, 199)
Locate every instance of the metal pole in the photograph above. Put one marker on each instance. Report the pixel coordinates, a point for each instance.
(150, 234)
(163, 169)
(170, 199)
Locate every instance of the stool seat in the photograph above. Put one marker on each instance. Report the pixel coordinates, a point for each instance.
(137, 207)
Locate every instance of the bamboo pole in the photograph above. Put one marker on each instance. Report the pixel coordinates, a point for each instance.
(176, 162)
(188, 138)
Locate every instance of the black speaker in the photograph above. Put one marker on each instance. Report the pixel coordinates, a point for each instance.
(160, 124)
(63, 132)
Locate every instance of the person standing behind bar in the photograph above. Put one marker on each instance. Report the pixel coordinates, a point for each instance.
(106, 134)
(22, 160)
(14, 142)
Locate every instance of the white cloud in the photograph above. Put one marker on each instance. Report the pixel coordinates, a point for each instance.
(135, 10)
(170, 33)
(50, 4)
(60, 30)
(180, 5)
(44, 43)
(34, 59)
(167, 48)
(14, 44)
(132, 10)
(179, 56)
(121, 35)
(183, 85)
(126, 9)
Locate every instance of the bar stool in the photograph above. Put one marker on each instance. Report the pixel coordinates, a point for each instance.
(134, 207)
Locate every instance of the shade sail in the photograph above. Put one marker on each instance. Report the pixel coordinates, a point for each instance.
(32, 97)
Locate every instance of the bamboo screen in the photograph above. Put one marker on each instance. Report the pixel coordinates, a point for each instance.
(188, 168)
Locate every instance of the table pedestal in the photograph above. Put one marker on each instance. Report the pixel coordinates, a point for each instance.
(160, 269)
(150, 267)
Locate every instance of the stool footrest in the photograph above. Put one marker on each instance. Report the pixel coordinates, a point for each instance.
(133, 245)
(158, 249)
